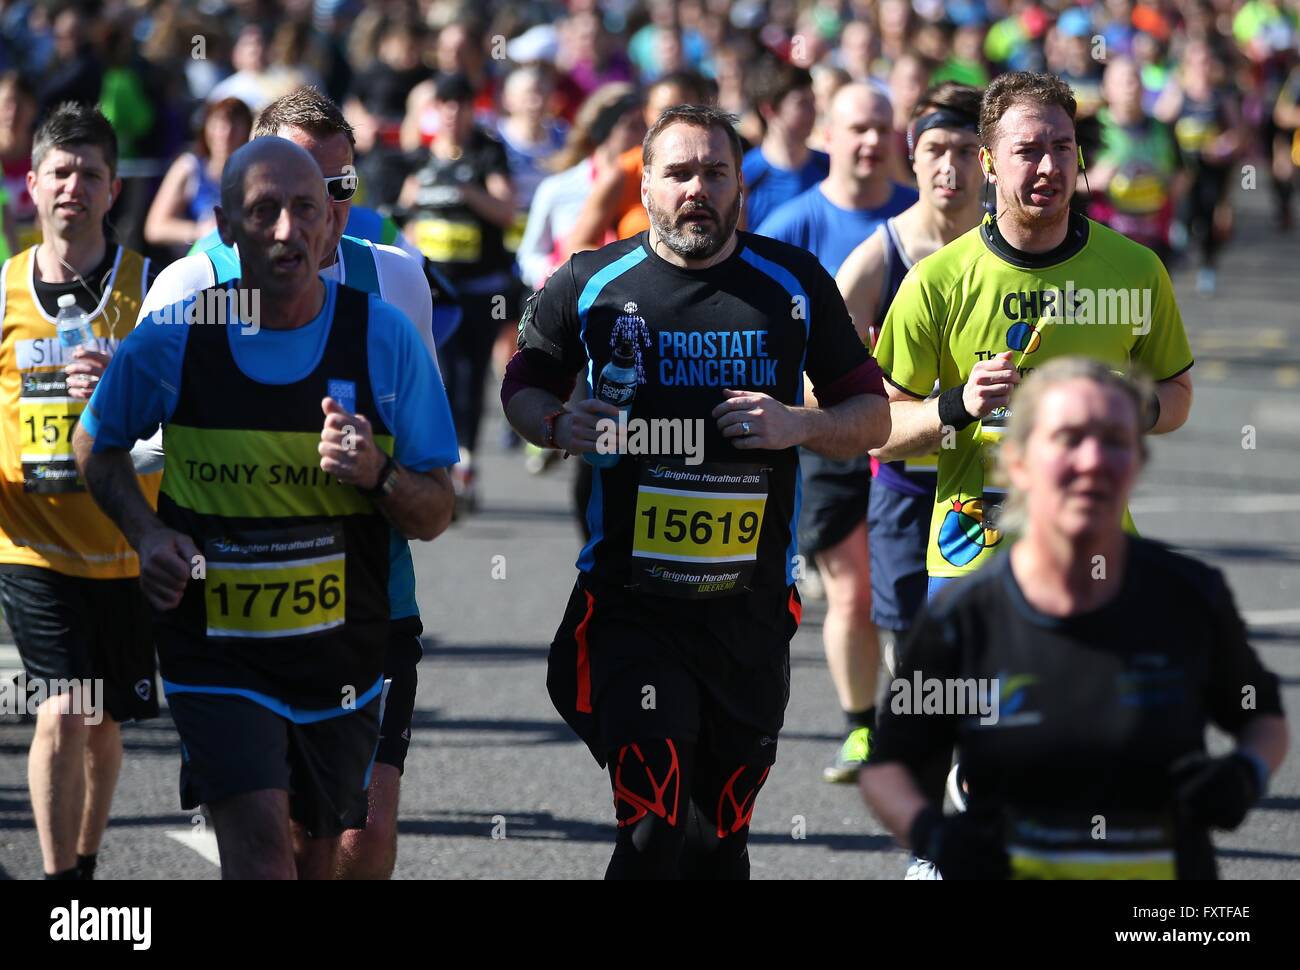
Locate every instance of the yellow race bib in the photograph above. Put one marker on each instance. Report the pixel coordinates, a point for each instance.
(276, 584)
(445, 241)
(47, 417)
(1107, 847)
(696, 529)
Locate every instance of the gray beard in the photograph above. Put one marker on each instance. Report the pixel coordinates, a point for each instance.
(694, 241)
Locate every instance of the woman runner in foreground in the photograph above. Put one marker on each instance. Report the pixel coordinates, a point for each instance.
(1097, 659)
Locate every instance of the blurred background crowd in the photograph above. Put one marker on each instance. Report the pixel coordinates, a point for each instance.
(180, 80)
(485, 129)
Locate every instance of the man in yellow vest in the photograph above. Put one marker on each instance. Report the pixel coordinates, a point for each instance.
(68, 579)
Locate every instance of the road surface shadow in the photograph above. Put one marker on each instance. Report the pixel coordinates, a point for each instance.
(544, 826)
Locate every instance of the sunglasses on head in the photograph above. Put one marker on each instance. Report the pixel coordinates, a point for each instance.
(341, 188)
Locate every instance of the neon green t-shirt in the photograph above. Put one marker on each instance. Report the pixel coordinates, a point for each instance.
(1098, 295)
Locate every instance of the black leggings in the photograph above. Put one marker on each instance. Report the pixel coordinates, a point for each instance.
(1209, 186)
(681, 814)
(464, 360)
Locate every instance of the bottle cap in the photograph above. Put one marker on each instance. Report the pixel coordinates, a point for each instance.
(67, 300)
(624, 354)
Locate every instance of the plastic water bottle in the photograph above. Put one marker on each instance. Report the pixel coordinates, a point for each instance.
(73, 327)
(617, 386)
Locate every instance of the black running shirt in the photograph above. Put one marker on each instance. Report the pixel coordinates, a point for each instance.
(756, 321)
(1092, 709)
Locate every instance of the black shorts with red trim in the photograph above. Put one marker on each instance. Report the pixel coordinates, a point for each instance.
(625, 667)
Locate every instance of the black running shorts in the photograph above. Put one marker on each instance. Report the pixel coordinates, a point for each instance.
(70, 628)
(626, 667)
(401, 661)
(231, 745)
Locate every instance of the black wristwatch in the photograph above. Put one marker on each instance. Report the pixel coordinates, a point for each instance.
(386, 484)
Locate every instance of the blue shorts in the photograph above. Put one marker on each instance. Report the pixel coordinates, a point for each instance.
(899, 530)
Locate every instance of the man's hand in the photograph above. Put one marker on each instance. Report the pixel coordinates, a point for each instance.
(990, 385)
(576, 431)
(84, 372)
(756, 420)
(166, 564)
(347, 447)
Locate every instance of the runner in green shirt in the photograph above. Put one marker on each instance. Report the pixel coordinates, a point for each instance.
(1035, 283)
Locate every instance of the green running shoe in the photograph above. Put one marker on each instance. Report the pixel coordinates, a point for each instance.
(853, 755)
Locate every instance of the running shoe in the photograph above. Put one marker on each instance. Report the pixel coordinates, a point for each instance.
(463, 484)
(921, 869)
(853, 755)
(540, 460)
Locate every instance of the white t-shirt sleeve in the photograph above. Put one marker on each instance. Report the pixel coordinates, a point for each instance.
(403, 284)
(177, 282)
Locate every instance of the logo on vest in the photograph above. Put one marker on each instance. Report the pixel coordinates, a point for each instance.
(344, 392)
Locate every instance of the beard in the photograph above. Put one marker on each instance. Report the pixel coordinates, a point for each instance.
(695, 240)
(1032, 218)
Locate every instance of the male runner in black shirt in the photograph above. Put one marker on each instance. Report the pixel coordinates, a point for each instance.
(672, 661)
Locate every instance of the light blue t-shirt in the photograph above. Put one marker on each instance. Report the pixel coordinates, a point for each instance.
(139, 390)
(768, 186)
(813, 222)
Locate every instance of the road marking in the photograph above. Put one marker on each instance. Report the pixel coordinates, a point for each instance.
(1287, 376)
(1242, 504)
(1258, 618)
(9, 656)
(200, 840)
(1213, 370)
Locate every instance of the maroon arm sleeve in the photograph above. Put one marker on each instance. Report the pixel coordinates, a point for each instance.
(529, 368)
(866, 378)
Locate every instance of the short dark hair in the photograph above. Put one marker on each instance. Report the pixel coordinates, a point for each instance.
(695, 86)
(1016, 86)
(698, 116)
(950, 96)
(304, 108)
(75, 123)
(770, 80)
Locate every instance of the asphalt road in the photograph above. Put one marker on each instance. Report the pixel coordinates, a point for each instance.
(497, 787)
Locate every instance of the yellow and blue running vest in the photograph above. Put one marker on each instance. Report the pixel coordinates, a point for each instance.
(293, 605)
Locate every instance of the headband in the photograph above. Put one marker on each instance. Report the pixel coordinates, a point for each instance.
(610, 115)
(943, 118)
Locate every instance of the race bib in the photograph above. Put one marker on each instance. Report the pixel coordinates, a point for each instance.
(1125, 848)
(47, 417)
(444, 241)
(1140, 193)
(925, 463)
(697, 527)
(1195, 134)
(285, 583)
(992, 428)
